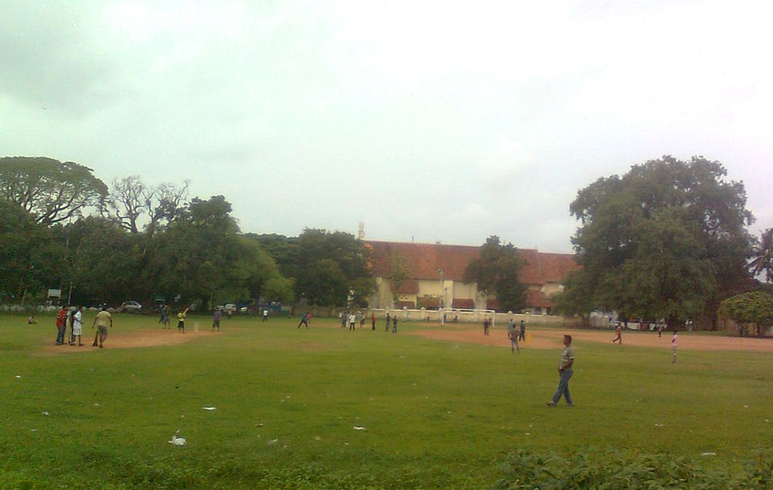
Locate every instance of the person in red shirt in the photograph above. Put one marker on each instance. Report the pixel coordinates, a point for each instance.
(619, 337)
(61, 325)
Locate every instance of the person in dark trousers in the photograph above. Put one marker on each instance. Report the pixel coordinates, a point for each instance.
(522, 333)
(373, 320)
(61, 325)
(619, 337)
(305, 320)
(565, 371)
(387, 323)
(394, 324)
(216, 319)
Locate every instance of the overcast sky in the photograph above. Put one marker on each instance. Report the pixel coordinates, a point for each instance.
(432, 121)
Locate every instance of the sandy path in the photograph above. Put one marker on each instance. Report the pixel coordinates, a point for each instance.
(132, 340)
(552, 339)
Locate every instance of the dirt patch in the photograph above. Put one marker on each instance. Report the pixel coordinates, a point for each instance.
(552, 339)
(132, 340)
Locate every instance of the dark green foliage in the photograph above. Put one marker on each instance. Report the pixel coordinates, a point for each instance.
(667, 240)
(496, 271)
(631, 469)
(755, 307)
(31, 258)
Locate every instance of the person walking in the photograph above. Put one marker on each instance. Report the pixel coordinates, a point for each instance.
(513, 335)
(486, 325)
(619, 335)
(164, 320)
(565, 372)
(522, 333)
(265, 314)
(373, 320)
(102, 321)
(394, 324)
(61, 325)
(674, 341)
(387, 322)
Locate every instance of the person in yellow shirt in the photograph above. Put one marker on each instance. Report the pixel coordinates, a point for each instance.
(181, 320)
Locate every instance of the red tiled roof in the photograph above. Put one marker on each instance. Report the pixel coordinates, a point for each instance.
(424, 261)
(409, 286)
(555, 267)
(537, 299)
(492, 304)
(463, 303)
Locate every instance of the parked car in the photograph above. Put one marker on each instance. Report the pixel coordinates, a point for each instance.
(230, 307)
(131, 307)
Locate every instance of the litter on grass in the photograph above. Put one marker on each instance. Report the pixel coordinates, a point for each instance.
(357, 427)
(209, 409)
(176, 440)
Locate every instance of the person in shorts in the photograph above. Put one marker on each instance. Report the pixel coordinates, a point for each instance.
(181, 320)
(102, 321)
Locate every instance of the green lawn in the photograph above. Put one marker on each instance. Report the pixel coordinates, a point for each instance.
(288, 402)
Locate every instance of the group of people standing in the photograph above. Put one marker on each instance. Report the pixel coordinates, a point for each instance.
(71, 318)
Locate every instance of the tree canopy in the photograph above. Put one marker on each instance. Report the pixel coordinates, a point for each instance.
(755, 307)
(496, 272)
(52, 191)
(667, 240)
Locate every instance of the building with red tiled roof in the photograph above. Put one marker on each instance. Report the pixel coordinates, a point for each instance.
(435, 276)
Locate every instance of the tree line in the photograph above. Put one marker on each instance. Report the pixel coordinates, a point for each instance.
(666, 241)
(61, 227)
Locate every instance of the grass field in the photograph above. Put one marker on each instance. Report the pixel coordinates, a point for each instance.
(330, 408)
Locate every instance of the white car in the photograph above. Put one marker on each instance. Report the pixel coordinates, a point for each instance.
(131, 307)
(230, 307)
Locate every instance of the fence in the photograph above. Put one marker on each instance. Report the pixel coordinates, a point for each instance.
(452, 316)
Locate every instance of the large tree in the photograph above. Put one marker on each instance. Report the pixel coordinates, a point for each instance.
(104, 262)
(332, 267)
(667, 240)
(31, 259)
(496, 272)
(133, 204)
(52, 191)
